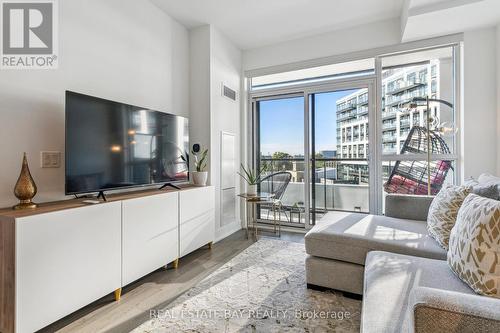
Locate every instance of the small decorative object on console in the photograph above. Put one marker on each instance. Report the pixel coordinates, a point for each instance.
(25, 189)
(200, 176)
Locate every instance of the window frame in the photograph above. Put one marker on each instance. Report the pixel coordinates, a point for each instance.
(375, 154)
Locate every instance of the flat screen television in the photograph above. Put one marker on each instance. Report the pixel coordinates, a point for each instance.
(111, 145)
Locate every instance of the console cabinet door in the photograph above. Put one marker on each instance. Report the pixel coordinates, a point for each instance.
(150, 234)
(64, 261)
(197, 218)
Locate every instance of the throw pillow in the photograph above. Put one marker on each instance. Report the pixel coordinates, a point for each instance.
(470, 182)
(474, 251)
(443, 212)
(487, 178)
(488, 190)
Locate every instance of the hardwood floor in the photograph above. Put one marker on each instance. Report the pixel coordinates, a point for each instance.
(157, 289)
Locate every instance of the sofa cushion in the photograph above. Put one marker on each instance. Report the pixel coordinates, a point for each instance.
(388, 282)
(443, 212)
(350, 236)
(475, 245)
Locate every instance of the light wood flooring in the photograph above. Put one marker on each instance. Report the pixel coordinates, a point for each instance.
(157, 289)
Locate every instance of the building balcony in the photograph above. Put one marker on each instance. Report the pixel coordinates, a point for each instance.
(329, 197)
(362, 111)
(389, 138)
(405, 86)
(348, 115)
(345, 107)
(363, 101)
(387, 126)
(389, 114)
(389, 150)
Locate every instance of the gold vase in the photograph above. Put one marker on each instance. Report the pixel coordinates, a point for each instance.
(25, 188)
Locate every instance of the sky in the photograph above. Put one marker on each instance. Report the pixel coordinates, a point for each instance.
(282, 123)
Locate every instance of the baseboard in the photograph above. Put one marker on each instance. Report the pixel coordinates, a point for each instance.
(227, 231)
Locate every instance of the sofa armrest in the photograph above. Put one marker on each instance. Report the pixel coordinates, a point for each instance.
(405, 206)
(436, 310)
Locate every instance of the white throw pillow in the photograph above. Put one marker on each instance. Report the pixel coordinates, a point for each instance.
(474, 250)
(443, 212)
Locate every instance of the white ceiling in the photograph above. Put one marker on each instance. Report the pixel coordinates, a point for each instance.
(431, 18)
(255, 23)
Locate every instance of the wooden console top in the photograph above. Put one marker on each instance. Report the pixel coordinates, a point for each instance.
(9, 213)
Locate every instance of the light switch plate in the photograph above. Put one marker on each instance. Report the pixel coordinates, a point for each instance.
(50, 159)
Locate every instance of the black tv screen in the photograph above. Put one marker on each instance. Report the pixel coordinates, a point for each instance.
(111, 145)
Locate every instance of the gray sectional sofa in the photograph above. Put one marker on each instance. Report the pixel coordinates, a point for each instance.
(399, 269)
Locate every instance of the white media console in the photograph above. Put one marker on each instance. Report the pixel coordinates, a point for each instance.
(62, 256)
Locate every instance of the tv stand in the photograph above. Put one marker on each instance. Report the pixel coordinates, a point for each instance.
(101, 195)
(169, 185)
(159, 226)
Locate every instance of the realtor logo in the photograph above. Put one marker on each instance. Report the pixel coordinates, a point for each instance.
(29, 34)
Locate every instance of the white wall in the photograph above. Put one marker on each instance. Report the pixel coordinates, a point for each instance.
(359, 38)
(225, 117)
(199, 87)
(129, 51)
(479, 122)
(214, 60)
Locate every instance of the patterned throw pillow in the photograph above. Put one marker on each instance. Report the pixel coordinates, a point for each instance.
(443, 212)
(474, 252)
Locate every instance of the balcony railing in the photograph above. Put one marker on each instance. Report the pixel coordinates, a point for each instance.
(405, 86)
(362, 110)
(389, 125)
(405, 123)
(346, 106)
(389, 150)
(363, 100)
(389, 137)
(389, 114)
(339, 184)
(347, 115)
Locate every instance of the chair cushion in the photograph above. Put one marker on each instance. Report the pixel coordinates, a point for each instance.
(350, 236)
(389, 279)
(443, 212)
(475, 245)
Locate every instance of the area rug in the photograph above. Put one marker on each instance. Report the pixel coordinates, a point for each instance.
(262, 289)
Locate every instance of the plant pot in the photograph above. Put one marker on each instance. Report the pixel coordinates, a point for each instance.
(200, 178)
(252, 189)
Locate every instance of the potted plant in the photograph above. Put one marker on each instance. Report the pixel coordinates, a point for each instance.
(200, 176)
(253, 178)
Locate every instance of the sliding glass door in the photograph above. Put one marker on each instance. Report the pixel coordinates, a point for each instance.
(319, 136)
(281, 155)
(340, 170)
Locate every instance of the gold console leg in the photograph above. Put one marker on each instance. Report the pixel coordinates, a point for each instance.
(118, 294)
(175, 263)
(210, 245)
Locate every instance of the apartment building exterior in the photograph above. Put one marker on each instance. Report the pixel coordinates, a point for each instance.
(398, 85)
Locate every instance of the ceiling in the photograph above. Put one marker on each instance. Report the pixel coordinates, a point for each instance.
(255, 23)
(432, 18)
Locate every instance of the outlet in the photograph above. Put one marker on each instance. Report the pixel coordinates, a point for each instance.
(50, 159)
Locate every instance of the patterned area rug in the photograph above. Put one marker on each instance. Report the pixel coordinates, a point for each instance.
(262, 289)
